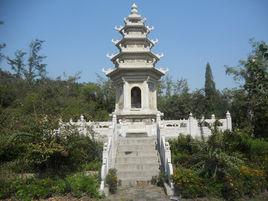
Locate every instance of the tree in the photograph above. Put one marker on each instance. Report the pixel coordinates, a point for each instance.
(17, 64)
(2, 45)
(211, 94)
(210, 88)
(253, 75)
(180, 87)
(35, 68)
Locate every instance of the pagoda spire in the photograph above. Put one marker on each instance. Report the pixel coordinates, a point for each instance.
(134, 9)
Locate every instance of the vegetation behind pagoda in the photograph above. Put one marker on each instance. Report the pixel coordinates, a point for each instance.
(31, 103)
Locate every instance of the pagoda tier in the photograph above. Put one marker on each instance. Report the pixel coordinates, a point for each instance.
(134, 47)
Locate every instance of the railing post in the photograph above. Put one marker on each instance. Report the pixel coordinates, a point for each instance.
(192, 125)
(114, 120)
(228, 121)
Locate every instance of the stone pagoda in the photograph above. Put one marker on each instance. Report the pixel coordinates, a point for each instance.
(134, 74)
(135, 139)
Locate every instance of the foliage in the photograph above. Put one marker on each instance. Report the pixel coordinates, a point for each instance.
(176, 101)
(230, 164)
(188, 183)
(35, 66)
(253, 74)
(210, 92)
(36, 188)
(92, 166)
(111, 180)
(41, 151)
(81, 184)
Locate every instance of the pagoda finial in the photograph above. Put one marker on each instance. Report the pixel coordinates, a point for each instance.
(134, 9)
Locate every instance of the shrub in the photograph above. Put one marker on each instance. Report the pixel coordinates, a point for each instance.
(188, 183)
(185, 144)
(38, 150)
(60, 187)
(253, 180)
(230, 190)
(36, 188)
(80, 185)
(111, 180)
(92, 166)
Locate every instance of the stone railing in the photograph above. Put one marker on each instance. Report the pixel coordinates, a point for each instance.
(165, 156)
(109, 153)
(194, 127)
(83, 127)
(106, 165)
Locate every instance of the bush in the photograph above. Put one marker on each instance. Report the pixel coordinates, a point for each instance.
(188, 183)
(92, 166)
(253, 180)
(80, 185)
(35, 188)
(111, 180)
(28, 189)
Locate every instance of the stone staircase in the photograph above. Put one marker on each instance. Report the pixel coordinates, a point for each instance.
(137, 160)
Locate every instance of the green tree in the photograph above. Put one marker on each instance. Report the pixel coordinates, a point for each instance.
(35, 68)
(17, 64)
(210, 92)
(253, 75)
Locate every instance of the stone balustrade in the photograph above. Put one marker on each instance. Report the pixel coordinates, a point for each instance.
(109, 153)
(83, 127)
(165, 156)
(194, 127)
(106, 156)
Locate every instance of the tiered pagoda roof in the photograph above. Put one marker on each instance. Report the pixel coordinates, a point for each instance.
(135, 46)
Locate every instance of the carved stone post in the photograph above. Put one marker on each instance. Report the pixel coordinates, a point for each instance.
(228, 121)
(192, 125)
(114, 120)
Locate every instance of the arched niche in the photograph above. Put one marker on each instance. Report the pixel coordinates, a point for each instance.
(135, 97)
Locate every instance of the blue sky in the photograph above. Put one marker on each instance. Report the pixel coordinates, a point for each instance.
(191, 33)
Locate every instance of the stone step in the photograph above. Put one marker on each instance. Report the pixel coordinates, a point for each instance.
(137, 175)
(150, 153)
(135, 159)
(137, 167)
(136, 133)
(137, 141)
(140, 148)
(131, 182)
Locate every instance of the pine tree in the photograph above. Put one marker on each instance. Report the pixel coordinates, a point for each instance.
(210, 92)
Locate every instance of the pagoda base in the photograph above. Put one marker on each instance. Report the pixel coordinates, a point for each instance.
(137, 122)
(136, 115)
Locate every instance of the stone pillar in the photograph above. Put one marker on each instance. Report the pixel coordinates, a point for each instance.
(145, 95)
(126, 96)
(154, 98)
(228, 121)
